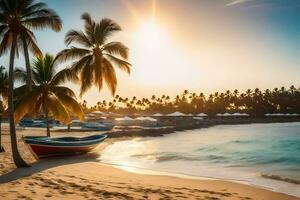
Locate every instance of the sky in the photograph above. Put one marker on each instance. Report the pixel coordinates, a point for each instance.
(199, 45)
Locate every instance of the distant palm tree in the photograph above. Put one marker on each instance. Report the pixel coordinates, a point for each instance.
(97, 57)
(3, 83)
(47, 94)
(16, 19)
(3, 97)
(2, 109)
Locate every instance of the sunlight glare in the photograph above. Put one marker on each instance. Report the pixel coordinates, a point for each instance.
(151, 35)
(155, 51)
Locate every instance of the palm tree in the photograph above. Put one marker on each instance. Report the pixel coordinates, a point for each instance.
(47, 94)
(97, 58)
(16, 19)
(20, 17)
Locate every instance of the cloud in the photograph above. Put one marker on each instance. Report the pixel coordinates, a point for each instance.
(235, 2)
(281, 3)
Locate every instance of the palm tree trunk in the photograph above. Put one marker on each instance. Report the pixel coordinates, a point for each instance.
(1, 148)
(27, 62)
(46, 112)
(48, 127)
(19, 162)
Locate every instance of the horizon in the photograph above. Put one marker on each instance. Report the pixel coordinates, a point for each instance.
(202, 46)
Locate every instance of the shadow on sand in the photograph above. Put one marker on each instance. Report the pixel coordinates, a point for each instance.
(45, 164)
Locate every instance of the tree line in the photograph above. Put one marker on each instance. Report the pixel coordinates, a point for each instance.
(254, 102)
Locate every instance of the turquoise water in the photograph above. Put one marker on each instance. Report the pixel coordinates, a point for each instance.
(231, 152)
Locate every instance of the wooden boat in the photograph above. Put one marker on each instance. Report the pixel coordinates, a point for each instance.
(43, 146)
(96, 126)
(32, 123)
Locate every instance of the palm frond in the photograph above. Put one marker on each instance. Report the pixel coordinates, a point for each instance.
(31, 42)
(71, 53)
(4, 7)
(38, 73)
(25, 104)
(86, 78)
(44, 20)
(30, 7)
(77, 37)
(109, 75)
(77, 66)
(43, 69)
(122, 64)
(49, 67)
(57, 109)
(98, 73)
(36, 111)
(33, 10)
(5, 42)
(89, 25)
(105, 29)
(116, 48)
(63, 90)
(71, 105)
(3, 29)
(64, 75)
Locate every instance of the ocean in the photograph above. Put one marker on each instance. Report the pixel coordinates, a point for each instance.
(265, 155)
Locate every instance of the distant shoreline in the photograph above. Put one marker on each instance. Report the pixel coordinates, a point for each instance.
(157, 132)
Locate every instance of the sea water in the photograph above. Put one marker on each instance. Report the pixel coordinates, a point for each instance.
(242, 153)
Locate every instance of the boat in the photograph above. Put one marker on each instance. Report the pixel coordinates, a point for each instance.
(32, 123)
(43, 146)
(96, 126)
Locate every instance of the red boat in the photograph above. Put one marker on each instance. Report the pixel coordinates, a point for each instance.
(43, 146)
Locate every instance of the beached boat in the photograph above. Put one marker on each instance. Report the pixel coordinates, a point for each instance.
(32, 123)
(43, 146)
(96, 126)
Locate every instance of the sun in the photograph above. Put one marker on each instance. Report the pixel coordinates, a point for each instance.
(150, 29)
(150, 34)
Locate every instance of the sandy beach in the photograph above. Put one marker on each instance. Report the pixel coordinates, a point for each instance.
(84, 177)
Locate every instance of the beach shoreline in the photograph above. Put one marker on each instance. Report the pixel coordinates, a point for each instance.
(61, 178)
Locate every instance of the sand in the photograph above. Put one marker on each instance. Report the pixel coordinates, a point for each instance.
(84, 177)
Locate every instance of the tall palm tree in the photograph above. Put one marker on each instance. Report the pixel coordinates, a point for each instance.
(96, 57)
(17, 17)
(47, 94)
(20, 17)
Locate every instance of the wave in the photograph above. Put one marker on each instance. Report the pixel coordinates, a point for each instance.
(160, 157)
(208, 148)
(280, 178)
(171, 156)
(242, 141)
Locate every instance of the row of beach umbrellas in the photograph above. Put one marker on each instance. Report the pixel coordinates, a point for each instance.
(126, 118)
(180, 114)
(232, 115)
(282, 115)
